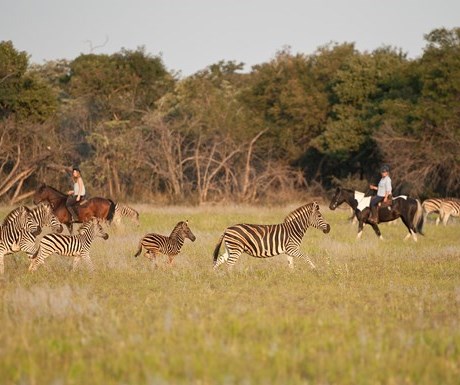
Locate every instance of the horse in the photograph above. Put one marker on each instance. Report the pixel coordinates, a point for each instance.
(408, 209)
(97, 207)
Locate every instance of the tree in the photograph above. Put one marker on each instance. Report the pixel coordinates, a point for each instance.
(23, 94)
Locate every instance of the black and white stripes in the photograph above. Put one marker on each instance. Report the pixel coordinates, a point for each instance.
(445, 207)
(17, 232)
(77, 246)
(269, 240)
(156, 244)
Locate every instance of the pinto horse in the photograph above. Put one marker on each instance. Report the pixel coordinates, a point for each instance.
(101, 208)
(408, 209)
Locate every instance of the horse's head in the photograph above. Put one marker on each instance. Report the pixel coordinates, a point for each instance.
(337, 199)
(39, 195)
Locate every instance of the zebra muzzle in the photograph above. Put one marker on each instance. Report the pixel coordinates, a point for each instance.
(327, 229)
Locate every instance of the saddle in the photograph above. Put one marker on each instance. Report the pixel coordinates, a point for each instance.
(388, 203)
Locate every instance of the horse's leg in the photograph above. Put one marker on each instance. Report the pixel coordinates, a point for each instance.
(410, 228)
(376, 229)
(361, 219)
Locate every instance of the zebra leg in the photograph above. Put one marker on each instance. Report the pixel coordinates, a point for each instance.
(445, 218)
(171, 260)
(229, 256)
(2, 262)
(297, 253)
(152, 256)
(75, 263)
(38, 260)
(88, 261)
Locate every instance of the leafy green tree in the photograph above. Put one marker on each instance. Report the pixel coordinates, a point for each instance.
(23, 94)
(285, 98)
(120, 86)
(425, 149)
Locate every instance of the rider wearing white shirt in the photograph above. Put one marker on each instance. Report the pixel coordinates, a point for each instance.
(383, 191)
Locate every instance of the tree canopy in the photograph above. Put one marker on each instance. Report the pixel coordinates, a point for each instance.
(297, 124)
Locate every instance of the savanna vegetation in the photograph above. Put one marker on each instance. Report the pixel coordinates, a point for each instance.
(300, 122)
(374, 312)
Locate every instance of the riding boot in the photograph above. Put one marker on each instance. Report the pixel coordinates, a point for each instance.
(373, 218)
(73, 214)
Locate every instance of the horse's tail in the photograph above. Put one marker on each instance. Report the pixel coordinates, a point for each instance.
(111, 211)
(217, 249)
(418, 218)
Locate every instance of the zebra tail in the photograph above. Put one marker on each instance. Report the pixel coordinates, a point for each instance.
(217, 249)
(139, 249)
(419, 218)
(111, 211)
(34, 255)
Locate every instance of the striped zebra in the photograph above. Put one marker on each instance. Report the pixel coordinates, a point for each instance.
(43, 215)
(77, 246)
(17, 232)
(122, 210)
(156, 244)
(431, 205)
(264, 241)
(450, 207)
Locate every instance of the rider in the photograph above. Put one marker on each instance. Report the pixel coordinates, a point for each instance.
(383, 191)
(77, 194)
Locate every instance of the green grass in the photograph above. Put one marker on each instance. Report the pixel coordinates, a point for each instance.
(374, 312)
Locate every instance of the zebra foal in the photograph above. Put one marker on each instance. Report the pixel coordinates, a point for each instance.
(264, 241)
(77, 246)
(17, 232)
(156, 244)
(122, 210)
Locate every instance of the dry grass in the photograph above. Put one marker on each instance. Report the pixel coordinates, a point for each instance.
(374, 312)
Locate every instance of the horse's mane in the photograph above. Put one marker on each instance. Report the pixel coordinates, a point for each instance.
(52, 188)
(299, 212)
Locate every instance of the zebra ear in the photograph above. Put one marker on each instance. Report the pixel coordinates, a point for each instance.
(315, 205)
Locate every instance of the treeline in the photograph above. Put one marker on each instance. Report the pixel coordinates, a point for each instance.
(296, 124)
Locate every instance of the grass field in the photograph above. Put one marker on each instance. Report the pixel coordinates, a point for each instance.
(374, 312)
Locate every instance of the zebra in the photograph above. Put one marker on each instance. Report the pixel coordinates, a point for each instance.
(122, 210)
(170, 246)
(43, 215)
(17, 232)
(431, 205)
(448, 208)
(264, 241)
(69, 245)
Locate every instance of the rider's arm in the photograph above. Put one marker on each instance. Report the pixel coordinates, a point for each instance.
(80, 188)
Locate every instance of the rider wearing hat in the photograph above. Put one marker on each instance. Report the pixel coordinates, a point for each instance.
(77, 194)
(383, 191)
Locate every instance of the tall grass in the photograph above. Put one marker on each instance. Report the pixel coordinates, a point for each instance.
(374, 312)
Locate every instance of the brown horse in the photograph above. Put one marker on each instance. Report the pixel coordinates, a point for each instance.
(101, 208)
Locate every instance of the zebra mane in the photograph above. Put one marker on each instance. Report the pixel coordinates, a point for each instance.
(14, 214)
(176, 229)
(301, 212)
